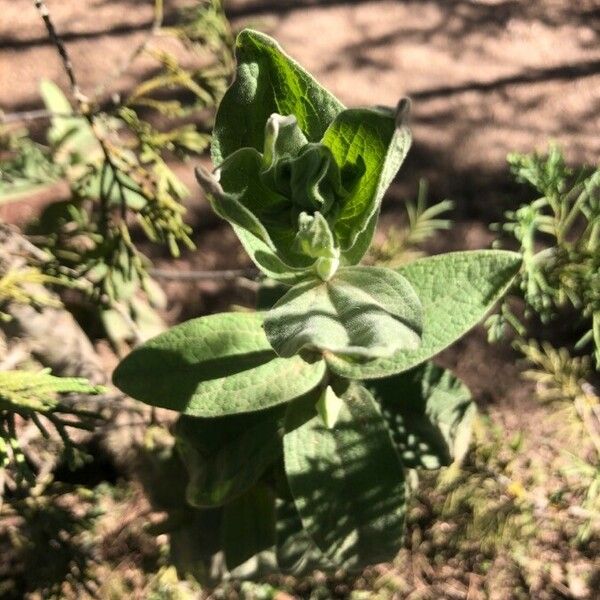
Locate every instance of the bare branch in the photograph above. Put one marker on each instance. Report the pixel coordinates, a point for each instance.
(33, 115)
(60, 47)
(226, 275)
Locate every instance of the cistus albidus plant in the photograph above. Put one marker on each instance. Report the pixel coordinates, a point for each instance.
(302, 420)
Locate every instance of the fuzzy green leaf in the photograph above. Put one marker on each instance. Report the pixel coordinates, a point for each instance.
(348, 483)
(314, 237)
(246, 195)
(300, 178)
(267, 261)
(215, 366)
(296, 552)
(278, 200)
(373, 142)
(456, 290)
(71, 137)
(329, 406)
(429, 412)
(268, 81)
(245, 204)
(362, 312)
(226, 456)
(249, 526)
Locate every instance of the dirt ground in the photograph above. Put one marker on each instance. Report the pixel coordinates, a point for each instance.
(486, 76)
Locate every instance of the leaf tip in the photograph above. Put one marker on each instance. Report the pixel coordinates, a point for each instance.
(402, 114)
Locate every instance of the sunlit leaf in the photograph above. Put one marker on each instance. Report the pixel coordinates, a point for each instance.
(362, 312)
(215, 366)
(456, 291)
(348, 483)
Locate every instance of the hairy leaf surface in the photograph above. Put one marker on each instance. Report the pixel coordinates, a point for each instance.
(373, 142)
(214, 366)
(362, 312)
(429, 412)
(296, 552)
(456, 290)
(348, 483)
(268, 81)
(226, 456)
(249, 525)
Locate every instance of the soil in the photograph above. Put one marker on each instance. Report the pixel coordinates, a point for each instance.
(486, 77)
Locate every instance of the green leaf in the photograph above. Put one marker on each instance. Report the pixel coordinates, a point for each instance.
(362, 312)
(375, 143)
(300, 176)
(246, 196)
(242, 197)
(268, 81)
(245, 203)
(456, 290)
(296, 552)
(24, 391)
(227, 455)
(348, 483)
(195, 539)
(215, 366)
(314, 237)
(249, 525)
(283, 139)
(278, 199)
(116, 187)
(429, 412)
(267, 261)
(72, 138)
(329, 406)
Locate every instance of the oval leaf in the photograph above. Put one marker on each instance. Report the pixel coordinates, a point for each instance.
(456, 290)
(249, 526)
(226, 456)
(429, 412)
(363, 312)
(377, 141)
(296, 552)
(268, 81)
(214, 366)
(348, 483)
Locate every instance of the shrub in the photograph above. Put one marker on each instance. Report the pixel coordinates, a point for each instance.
(301, 420)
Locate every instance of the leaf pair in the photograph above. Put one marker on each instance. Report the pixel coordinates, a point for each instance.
(224, 364)
(362, 313)
(346, 495)
(300, 178)
(348, 483)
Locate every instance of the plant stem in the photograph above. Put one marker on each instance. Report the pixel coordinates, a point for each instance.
(33, 115)
(60, 47)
